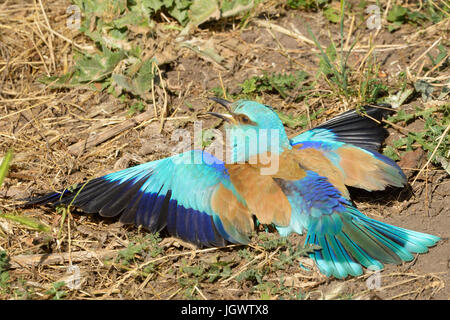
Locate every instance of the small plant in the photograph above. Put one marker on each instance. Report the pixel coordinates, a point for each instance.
(55, 291)
(331, 14)
(271, 242)
(335, 72)
(252, 275)
(136, 107)
(438, 60)
(300, 121)
(399, 15)
(245, 254)
(4, 166)
(436, 120)
(290, 256)
(307, 4)
(279, 83)
(116, 27)
(219, 270)
(371, 87)
(147, 245)
(4, 274)
(23, 291)
(4, 261)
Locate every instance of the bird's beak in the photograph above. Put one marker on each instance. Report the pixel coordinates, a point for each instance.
(228, 117)
(222, 102)
(224, 116)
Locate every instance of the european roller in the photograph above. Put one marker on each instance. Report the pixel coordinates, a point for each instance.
(210, 202)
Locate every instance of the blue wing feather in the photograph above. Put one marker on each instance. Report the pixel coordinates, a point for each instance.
(348, 239)
(351, 127)
(174, 192)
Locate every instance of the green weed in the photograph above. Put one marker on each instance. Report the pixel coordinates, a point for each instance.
(55, 291)
(4, 166)
(307, 4)
(333, 64)
(4, 273)
(299, 121)
(147, 245)
(436, 120)
(282, 84)
(116, 28)
(399, 15)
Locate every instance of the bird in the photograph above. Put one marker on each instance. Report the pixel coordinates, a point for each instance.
(209, 202)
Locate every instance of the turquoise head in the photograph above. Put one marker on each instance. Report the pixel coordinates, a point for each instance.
(252, 129)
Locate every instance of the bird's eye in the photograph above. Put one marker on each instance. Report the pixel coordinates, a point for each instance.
(245, 119)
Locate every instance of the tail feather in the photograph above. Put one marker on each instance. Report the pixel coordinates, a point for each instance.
(358, 253)
(392, 251)
(367, 242)
(371, 242)
(412, 241)
(337, 249)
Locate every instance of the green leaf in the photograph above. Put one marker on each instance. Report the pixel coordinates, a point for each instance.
(180, 11)
(4, 279)
(332, 15)
(4, 261)
(395, 26)
(249, 85)
(28, 222)
(234, 7)
(144, 77)
(154, 5)
(441, 55)
(140, 83)
(132, 18)
(415, 16)
(123, 82)
(390, 152)
(425, 89)
(397, 14)
(136, 107)
(96, 67)
(401, 115)
(55, 292)
(203, 10)
(5, 165)
(399, 98)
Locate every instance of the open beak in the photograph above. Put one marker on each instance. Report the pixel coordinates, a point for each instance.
(222, 102)
(228, 117)
(224, 116)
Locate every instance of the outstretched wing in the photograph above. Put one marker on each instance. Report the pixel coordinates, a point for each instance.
(346, 164)
(360, 129)
(190, 194)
